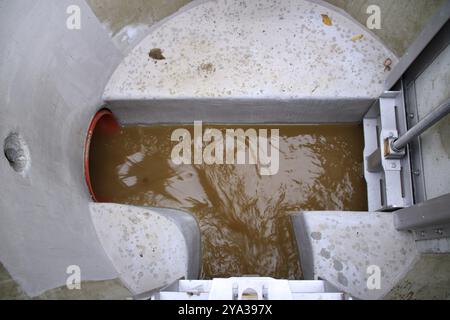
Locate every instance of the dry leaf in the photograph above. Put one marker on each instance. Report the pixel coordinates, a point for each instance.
(387, 64)
(357, 37)
(326, 20)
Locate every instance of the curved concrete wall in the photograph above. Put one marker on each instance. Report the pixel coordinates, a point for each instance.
(127, 22)
(402, 20)
(51, 85)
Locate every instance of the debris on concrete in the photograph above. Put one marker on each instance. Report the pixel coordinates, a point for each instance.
(387, 64)
(357, 37)
(156, 54)
(326, 20)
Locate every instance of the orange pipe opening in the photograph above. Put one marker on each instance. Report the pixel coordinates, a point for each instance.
(103, 122)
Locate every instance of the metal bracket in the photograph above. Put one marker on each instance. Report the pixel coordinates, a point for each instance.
(386, 170)
(428, 220)
(437, 232)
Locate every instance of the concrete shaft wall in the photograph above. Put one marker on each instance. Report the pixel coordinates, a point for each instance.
(52, 79)
(401, 20)
(129, 21)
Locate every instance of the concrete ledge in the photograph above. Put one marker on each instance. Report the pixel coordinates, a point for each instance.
(149, 247)
(219, 110)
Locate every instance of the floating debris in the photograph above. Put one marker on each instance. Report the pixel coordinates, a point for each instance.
(156, 54)
(326, 20)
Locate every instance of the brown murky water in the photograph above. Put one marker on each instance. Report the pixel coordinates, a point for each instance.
(243, 216)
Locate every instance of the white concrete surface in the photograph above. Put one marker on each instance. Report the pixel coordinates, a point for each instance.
(51, 83)
(146, 246)
(340, 246)
(432, 89)
(254, 49)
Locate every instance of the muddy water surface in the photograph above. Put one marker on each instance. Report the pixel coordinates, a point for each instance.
(243, 216)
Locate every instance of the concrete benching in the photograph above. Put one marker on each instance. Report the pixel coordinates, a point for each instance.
(149, 247)
(346, 248)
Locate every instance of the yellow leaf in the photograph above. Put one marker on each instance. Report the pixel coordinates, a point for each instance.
(326, 20)
(357, 37)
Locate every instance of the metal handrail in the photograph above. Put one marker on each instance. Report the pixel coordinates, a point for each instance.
(429, 120)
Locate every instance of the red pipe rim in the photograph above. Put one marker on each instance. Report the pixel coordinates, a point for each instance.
(101, 114)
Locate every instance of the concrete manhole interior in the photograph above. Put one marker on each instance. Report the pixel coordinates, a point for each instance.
(225, 149)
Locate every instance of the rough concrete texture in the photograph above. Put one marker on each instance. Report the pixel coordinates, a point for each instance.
(150, 247)
(254, 49)
(90, 290)
(51, 85)
(401, 20)
(428, 279)
(129, 21)
(433, 89)
(340, 246)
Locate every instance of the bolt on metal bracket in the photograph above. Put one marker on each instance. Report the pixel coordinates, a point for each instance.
(390, 152)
